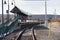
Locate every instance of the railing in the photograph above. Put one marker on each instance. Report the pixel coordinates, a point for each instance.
(6, 29)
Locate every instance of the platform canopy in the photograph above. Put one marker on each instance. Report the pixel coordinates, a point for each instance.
(18, 11)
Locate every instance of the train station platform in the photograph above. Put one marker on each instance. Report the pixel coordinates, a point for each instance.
(14, 35)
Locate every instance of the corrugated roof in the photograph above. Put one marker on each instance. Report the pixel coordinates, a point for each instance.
(18, 11)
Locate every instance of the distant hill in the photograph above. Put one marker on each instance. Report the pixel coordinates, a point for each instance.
(5, 15)
(42, 16)
(35, 16)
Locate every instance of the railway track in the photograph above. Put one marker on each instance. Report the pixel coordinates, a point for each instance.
(26, 31)
(26, 27)
(29, 28)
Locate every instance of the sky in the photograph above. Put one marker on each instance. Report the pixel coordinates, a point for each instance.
(34, 7)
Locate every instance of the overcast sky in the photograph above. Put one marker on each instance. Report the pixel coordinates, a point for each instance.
(35, 7)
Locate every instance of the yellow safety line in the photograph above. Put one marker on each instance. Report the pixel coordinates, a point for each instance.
(49, 32)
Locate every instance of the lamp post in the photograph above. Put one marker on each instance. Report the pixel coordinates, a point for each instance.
(14, 6)
(9, 8)
(7, 11)
(13, 3)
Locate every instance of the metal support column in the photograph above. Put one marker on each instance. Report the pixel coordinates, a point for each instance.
(2, 17)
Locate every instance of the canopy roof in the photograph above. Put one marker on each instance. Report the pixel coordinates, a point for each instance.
(18, 11)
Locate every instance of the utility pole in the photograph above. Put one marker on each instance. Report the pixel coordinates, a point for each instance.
(46, 21)
(2, 18)
(2, 13)
(55, 13)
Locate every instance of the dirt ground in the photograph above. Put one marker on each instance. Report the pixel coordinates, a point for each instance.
(46, 35)
(43, 33)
